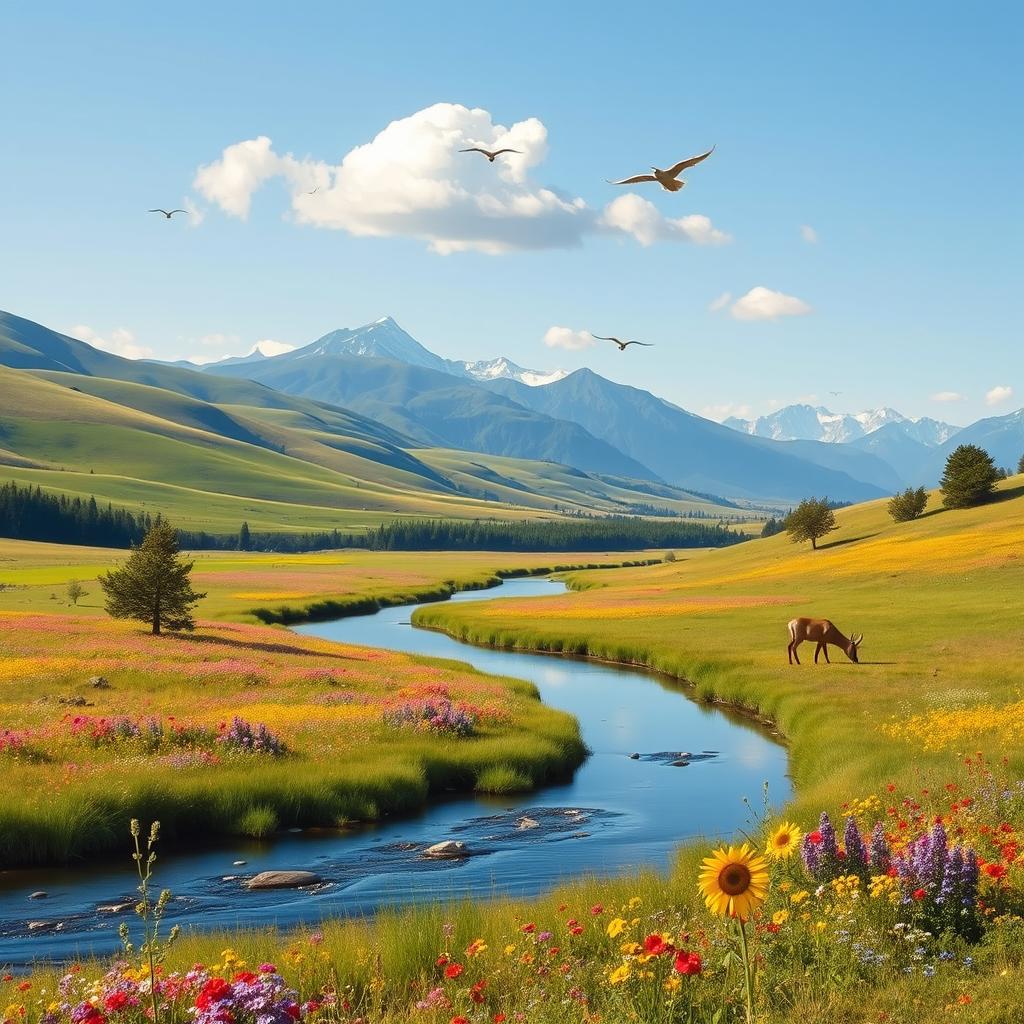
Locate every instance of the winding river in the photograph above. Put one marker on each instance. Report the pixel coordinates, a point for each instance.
(616, 814)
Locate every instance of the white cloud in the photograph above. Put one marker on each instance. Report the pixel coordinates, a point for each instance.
(411, 180)
(999, 394)
(764, 304)
(808, 234)
(567, 338)
(269, 347)
(725, 410)
(723, 300)
(121, 341)
(947, 396)
(640, 218)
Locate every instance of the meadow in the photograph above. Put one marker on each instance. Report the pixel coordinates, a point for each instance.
(364, 733)
(891, 888)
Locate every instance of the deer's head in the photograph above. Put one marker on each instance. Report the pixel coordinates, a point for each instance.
(851, 651)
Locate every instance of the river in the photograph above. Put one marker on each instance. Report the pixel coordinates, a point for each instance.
(615, 815)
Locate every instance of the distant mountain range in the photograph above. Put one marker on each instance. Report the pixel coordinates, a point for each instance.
(816, 423)
(384, 339)
(374, 391)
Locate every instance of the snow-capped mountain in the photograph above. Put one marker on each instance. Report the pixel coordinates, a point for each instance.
(504, 369)
(384, 339)
(816, 423)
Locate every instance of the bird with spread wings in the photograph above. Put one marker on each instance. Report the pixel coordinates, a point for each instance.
(491, 154)
(167, 213)
(668, 178)
(622, 344)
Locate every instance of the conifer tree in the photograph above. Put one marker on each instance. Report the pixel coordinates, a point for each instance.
(153, 585)
(969, 478)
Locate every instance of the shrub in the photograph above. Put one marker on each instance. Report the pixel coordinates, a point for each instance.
(669, 556)
(908, 505)
(1020, 464)
(969, 478)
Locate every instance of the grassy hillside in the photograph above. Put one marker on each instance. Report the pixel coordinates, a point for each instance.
(938, 601)
(300, 467)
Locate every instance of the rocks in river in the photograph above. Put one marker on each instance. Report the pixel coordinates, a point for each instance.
(680, 763)
(295, 830)
(450, 849)
(99, 683)
(676, 758)
(40, 895)
(237, 863)
(526, 823)
(282, 880)
(45, 926)
(634, 756)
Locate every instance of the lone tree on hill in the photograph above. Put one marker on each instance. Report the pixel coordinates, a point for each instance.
(244, 538)
(908, 505)
(1020, 465)
(969, 478)
(810, 520)
(153, 585)
(75, 591)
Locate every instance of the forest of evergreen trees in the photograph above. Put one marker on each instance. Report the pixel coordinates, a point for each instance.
(28, 513)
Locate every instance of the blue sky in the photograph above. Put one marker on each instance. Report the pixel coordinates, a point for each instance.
(892, 131)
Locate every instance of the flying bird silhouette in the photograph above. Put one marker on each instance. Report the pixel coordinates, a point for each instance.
(317, 189)
(669, 178)
(622, 344)
(166, 213)
(489, 153)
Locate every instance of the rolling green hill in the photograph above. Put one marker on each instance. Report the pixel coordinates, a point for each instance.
(215, 451)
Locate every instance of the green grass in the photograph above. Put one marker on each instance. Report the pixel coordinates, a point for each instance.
(937, 600)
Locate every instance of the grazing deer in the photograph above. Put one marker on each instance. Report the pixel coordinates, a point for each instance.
(823, 633)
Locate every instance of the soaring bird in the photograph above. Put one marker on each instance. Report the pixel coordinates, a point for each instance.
(317, 189)
(622, 344)
(668, 179)
(490, 154)
(167, 213)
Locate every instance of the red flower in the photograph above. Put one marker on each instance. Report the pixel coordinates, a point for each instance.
(116, 1001)
(528, 928)
(995, 870)
(500, 1018)
(453, 970)
(919, 894)
(814, 837)
(656, 945)
(772, 927)
(688, 963)
(214, 991)
(460, 1020)
(24, 986)
(293, 1011)
(597, 909)
(476, 993)
(443, 959)
(247, 976)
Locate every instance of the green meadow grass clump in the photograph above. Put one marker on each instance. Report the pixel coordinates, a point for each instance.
(258, 822)
(503, 778)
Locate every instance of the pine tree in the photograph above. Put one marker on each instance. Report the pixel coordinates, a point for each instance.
(1020, 465)
(153, 585)
(244, 538)
(810, 520)
(908, 505)
(969, 478)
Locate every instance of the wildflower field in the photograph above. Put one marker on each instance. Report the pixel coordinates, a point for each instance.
(890, 890)
(238, 728)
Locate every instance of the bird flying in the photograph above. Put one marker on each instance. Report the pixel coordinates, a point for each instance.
(317, 189)
(489, 153)
(622, 344)
(669, 178)
(167, 213)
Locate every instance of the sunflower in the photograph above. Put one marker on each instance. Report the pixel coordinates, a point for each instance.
(783, 841)
(734, 882)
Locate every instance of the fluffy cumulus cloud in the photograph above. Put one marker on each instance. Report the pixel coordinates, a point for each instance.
(231, 345)
(567, 338)
(947, 396)
(808, 234)
(411, 180)
(999, 394)
(269, 347)
(762, 303)
(632, 215)
(120, 342)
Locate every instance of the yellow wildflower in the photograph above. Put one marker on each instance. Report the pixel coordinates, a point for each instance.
(616, 926)
(620, 974)
(780, 917)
